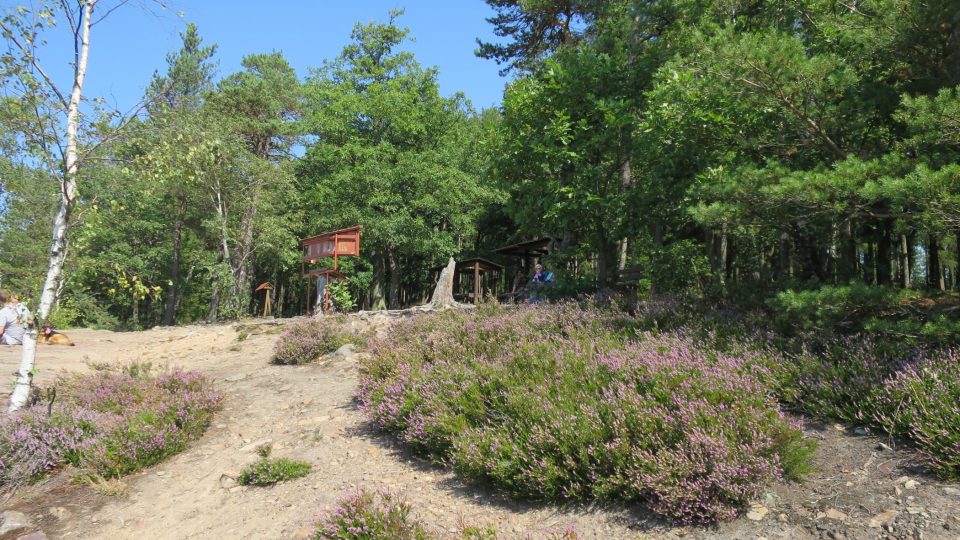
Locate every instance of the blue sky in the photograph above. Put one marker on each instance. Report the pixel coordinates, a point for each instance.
(128, 46)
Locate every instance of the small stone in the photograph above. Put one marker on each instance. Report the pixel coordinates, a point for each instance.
(59, 512)
(849, 484)
(883, 447)
(160, 473)
(860, 431)
(35, 535)
(227, 481)
(253, 446)
(902, 480)
(782, 518)
(883, 518)
(952, 491)
(236, 489)
(13, 521)
(346, 352)
(838, 427)
(757, 512)
(911, 484)
(221, 426)
(833, 513)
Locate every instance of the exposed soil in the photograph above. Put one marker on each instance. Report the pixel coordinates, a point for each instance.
(859, 489)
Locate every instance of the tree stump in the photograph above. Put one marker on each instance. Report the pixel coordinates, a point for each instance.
(443, 293)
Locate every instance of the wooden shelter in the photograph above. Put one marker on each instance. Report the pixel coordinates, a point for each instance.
(485, 275)
(335, 244)
(529, 252)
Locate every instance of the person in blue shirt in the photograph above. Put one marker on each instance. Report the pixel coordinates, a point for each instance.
(540, 279)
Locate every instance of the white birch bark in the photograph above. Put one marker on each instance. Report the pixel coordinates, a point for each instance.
(61, 224)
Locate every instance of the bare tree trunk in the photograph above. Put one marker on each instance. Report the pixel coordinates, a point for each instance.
(243, 267)
(377, 296)
(723, 254)
(883, 254)
(61, 223)
(905, 260)
(626, 181)
(847, 267)
(180, 290)
(394, 268)
(170, 314)
(934, 271)
(783, 255)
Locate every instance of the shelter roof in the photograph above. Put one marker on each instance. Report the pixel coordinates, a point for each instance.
(530, 248)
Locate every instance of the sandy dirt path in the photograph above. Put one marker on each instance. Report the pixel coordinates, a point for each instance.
(308, 413)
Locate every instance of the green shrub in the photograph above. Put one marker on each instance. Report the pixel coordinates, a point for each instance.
(267, 471)
(844, 308)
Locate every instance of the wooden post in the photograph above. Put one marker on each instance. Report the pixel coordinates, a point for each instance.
(476, 283)
(308, 295)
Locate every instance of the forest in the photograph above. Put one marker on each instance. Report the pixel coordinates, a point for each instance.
(752, 152)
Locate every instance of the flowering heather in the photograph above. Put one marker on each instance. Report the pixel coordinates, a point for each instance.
(109, 423)
(305, 341)
(568, 402)
(922, 403)
(363, 516)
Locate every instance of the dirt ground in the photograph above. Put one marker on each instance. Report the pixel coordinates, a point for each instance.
(860, 487)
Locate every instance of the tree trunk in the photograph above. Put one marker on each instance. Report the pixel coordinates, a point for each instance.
(724, 254)
(934, 271)
(956, 269)
(905, 261)
(170, 314)
(394, 269)
(180, 291)
(847, 264)
(883, 254)
(783, 258)
(243, 266)
(377, 296)
(626, 181)
(61, 223)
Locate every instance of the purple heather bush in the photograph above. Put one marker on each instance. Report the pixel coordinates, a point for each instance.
(907, 387)
(911, 393)
(362, 515)
(108, 423)
(306, 340)
(922, 403)
(563, 402)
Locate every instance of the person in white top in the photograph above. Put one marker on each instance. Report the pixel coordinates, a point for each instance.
(14, 318)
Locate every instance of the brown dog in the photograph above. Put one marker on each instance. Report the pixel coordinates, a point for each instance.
(51, 337)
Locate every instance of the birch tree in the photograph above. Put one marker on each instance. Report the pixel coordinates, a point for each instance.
(50, 129)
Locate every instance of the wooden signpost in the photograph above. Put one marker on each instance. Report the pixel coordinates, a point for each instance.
(336, 244)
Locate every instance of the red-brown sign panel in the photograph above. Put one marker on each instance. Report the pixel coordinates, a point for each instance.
(345, 242)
